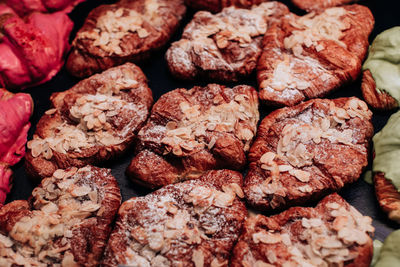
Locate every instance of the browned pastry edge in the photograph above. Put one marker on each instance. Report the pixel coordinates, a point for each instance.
(86, 59)
(39, 167)
(89, 238)
(388, 196)
(276, 222)
(340, 65)
(224, 55)
(379, 100)
(153, 168)
(217, 246)
(328, 178)
(313, 5)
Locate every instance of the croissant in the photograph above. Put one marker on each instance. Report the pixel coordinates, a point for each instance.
(32, 49)
(15, 111)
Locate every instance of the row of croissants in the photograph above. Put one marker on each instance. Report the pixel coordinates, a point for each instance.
(33, 45)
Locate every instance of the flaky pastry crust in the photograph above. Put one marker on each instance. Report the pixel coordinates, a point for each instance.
(192, 131)
(310, 56)
(94, 121)
(127, 31)
(332, 234)
(304, 152)
(194, 223)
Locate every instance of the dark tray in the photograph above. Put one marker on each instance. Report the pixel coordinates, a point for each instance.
(359, 194)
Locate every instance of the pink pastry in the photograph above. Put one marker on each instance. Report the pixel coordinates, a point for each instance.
(15, 111)
(32, 50)
(24, 7)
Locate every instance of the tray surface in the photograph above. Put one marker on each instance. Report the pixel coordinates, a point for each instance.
(359, 194)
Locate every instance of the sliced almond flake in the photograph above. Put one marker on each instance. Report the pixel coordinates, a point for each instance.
(65, 184)
(235, 188)
(266, 238)
(156, 241)
(285, 168)
(59, 174)
(50, 208)
(271, 256)
(198, 258)
(6, 241)
(267, 158)
(90, 206)
(305, 188)
(302, 176)
(79, 191)
(223, 200)
(286, 239)
(51, 111)
(212, 143)
(216, 263)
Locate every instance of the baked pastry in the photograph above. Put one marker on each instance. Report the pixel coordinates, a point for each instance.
(218, 5)
(94, 121)
(332, 234)
(386, 169)
(223, 46)
(192, 131)
(310, 56)
(33, 49)
(194, 223)
(304, 152)
(66, 222)
(126, 31)
(380, 85)
(15, 112)
(25, 7)
(312, 5)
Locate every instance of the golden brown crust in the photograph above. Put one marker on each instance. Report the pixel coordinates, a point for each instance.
(377, 99)
(127, 31)
(192, 131)
(333, 233)
(218, 5)
(388, 196)
(299, 62)
(312, 5)
(67, 220)
(304, 152)
(91, 122)
(223, 46)
(194, 223)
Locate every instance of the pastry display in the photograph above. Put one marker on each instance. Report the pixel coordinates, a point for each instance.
(310, 56)
(312, 5)
(92, 122)
(15, 112)
(386, 169)
(333, 233)
(66, 222)
(127, 31)
(32, 50)
(304, 152)
(194, 223)
(223, 46)
(218, 5)
(381, 76)
(24, 7)
(202, 180)
(192, 131)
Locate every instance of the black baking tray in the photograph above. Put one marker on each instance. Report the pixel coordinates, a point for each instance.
(359, 194)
